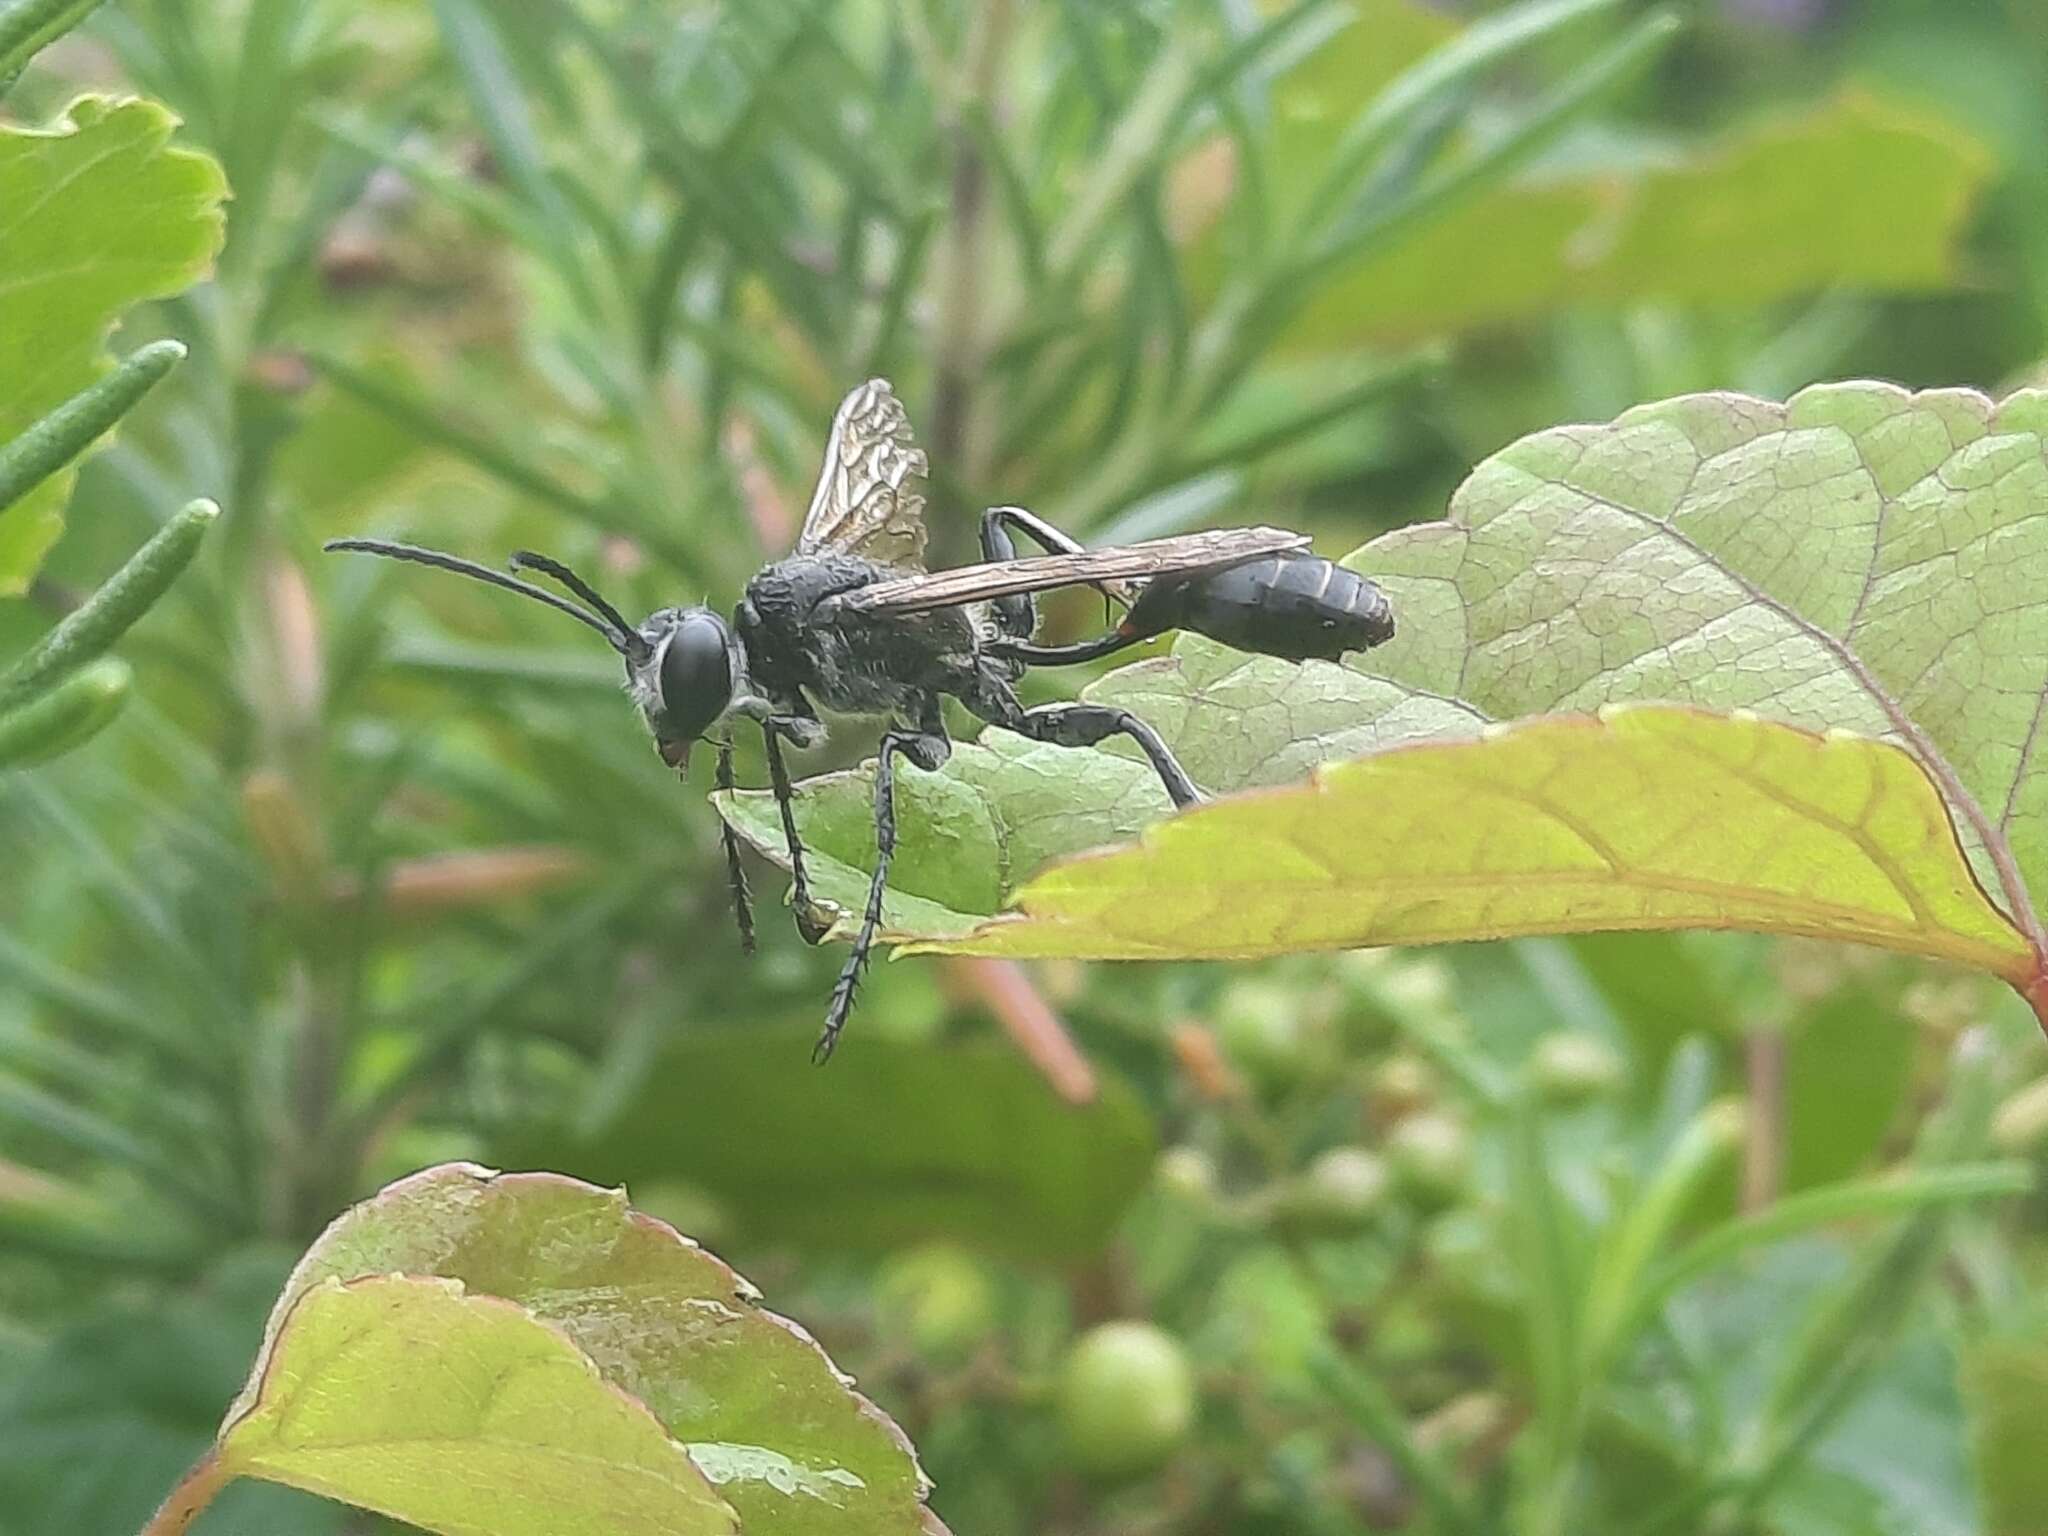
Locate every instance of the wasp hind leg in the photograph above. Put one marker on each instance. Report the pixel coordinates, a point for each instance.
(1017, 616)
(927, 749)
(1085, 725)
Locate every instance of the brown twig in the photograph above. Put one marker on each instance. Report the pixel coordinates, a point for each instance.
(1029, 1021)
(194, 1492)
(1763, 1155)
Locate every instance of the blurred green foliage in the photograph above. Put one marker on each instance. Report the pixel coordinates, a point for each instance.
(371, 872)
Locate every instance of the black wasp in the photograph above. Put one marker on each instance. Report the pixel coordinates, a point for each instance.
(853, 623)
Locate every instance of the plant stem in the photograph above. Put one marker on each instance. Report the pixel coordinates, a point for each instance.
(1381, 1419)
(1763, 1151)
(194, 1492)
(2036, 992)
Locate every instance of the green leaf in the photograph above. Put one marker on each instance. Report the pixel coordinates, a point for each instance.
(96, 215)
(798, 1156)
(464, 1414)
(87, 631)
(1003, 806)
(1853, 193)
(1858, 558)
(1642, 818)
(543, 1315)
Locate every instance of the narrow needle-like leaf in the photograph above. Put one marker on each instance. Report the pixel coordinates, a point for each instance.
(70, 713)
(104, 617)
(28, 27)
(70, 429)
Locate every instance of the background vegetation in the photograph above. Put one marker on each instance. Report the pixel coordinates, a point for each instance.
(361, 871)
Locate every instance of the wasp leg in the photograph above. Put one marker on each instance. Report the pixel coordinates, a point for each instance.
(773, 730)
(1083, 725)
(1017, 614)
(925, 750)
(735, 871)
(1062, 655)
(1017, 617)
(997, 523)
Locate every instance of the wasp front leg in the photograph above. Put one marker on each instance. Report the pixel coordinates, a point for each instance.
(927, 747)
(735, 871)
(799, 731)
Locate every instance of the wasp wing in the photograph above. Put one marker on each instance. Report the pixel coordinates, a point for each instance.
(1126, 562)
(865, 504)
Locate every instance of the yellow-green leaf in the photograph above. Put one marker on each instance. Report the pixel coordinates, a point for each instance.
(463, 1414)
(1640, 819)
(1859, 557)
(96, 215)
(751, 1401)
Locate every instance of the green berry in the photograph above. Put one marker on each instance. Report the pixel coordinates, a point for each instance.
(1417, 991)
(1261, 1027)
(1339, 1191)
(1187, 1174)
(1399, 1087)
(936, 1298)
(1431, 1153)
(1126, 1399)
(1571, 1067)
(2021, 1124)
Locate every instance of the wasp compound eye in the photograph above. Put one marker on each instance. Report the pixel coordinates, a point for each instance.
(696, 673)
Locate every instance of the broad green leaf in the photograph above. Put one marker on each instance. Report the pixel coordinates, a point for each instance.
(1642, 818)
(898, 1143)
(1859, 558)
(1003, 807)
(1853, 193)
(96, 215)
(2005, 1383)
(461, 1413)
(759, 1408)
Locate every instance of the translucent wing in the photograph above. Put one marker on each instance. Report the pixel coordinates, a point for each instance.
(1155, 557)
(864, 503)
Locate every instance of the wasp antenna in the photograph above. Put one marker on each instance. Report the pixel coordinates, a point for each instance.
(620, 637)
(547, 565)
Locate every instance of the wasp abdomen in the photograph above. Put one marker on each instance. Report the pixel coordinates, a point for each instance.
(1295, 605)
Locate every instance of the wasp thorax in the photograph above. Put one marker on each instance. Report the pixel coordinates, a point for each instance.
(693, 670)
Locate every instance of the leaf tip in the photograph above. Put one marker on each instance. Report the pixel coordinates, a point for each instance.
(107, 678)
(166, 352)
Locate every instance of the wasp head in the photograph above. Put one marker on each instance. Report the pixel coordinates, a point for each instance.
(682, 664)
(683, 676)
